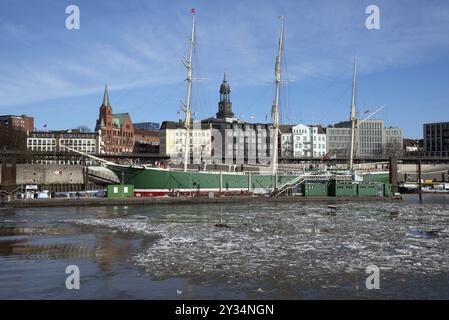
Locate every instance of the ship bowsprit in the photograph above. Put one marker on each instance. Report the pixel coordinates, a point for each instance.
(102, 175)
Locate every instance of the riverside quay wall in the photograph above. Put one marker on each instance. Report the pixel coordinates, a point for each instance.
(61, 177)
(53, 177)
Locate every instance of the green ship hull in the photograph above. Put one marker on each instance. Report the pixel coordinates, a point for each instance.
(152, 182)
(160, 182)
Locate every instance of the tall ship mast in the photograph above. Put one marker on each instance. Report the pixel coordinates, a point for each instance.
(189, 66)
(151, 181)
(275, 107)
(353, 117)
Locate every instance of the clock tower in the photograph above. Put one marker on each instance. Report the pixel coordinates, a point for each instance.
(225, 104)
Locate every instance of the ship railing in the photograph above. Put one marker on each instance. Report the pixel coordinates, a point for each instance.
(299, 180)
(288, 185)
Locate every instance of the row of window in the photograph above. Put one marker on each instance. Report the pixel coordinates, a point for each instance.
(72, 162)
(195, 133)
(371, 125)
(88, 149)
(35, 141)
(116, 133)
(117, 142)
(117, 150)
(397, 133)
(315, 146)
(41, 141)
(377, 133)
(338, 138)
(309, 154)
(370, 139)
(85, 142)
(199, 141)
(338, 132)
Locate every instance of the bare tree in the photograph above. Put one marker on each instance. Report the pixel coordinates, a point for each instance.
(84, 129)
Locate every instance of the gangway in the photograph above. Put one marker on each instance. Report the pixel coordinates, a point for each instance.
(288, 185)
(298, 181)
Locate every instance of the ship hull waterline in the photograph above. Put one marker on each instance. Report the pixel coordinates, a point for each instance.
(156, 182)
(151, 182)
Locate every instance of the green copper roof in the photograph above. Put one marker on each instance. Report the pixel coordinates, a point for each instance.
(106, 97)
(118, 119)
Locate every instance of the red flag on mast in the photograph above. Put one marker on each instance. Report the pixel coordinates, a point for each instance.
(193, 10)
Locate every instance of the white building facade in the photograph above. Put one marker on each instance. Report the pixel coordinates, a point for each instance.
(372, 139)
(54, 141)
(303, 141)
(173, 141)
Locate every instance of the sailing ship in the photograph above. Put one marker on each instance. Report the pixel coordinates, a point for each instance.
(154, 181)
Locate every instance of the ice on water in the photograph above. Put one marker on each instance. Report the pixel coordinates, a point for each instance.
(288, 240)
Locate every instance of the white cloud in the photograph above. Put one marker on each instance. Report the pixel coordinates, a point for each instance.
(321, 40)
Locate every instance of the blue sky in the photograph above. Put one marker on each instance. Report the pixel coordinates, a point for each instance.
(57, 75)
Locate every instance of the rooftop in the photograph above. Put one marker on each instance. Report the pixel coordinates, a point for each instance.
(14, 116)
(118, 119)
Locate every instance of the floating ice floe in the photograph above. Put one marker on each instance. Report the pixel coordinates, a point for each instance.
(266, 246)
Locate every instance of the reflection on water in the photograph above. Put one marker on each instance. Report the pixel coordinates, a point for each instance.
(52, 244)
(266, 250)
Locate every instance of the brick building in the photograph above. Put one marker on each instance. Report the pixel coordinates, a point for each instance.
(116, 130)
(22, 122)
(146, 141)
(14, 130)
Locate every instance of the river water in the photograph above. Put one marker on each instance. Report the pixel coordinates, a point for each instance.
(228, 251)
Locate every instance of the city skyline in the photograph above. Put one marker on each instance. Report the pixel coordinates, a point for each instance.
(224, 156)
(49, 72)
